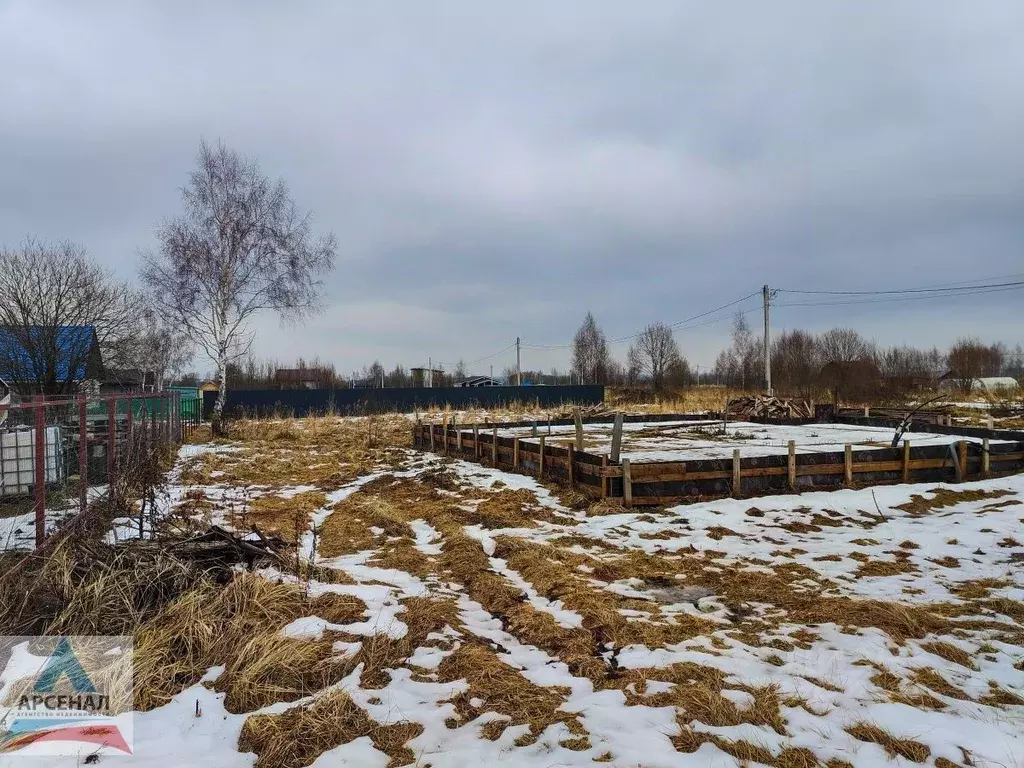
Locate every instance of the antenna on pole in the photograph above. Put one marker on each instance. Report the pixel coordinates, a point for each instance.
(519, 370)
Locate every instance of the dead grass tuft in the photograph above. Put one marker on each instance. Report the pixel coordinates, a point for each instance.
(297, 737)
(905, 748)
(941, 498)
(950, 652)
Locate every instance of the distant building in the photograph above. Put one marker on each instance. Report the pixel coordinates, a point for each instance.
(296, 378)
(124, 380)
(370, 383)
(478, 381)
(50, 357)
(209, 386)
(992, 385)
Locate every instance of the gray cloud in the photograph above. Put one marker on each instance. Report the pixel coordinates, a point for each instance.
(494, 170)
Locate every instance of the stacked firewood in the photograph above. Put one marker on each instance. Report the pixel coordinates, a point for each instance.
(765, 407)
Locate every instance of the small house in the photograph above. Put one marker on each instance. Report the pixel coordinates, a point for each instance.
(478, 381)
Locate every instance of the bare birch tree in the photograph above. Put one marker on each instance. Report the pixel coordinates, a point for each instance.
(655, 353)
(162, 348)
(241, 247)
(590, 352)
(58, 309)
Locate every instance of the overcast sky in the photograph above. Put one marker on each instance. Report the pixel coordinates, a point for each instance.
(497, 169)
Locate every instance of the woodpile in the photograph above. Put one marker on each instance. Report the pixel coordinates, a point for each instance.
(765, 407)
(219, 546)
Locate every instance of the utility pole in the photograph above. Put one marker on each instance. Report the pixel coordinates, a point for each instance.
(767, 342)
(519, 370)
(430, 372)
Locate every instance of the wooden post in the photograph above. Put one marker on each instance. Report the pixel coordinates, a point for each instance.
(494, 447)
(534, 433)
(476, 441)
(83, 454)
(627, 484)
(848, 465)
(991, 423)
(736, 475)
(540, 459)
(549, 425)
(432, 449)
(616, 438)
(579, 429)
(515, 452)
(604, 480)
(572, 458)
(111, 439)
(906, 461)
(867, 411)
(444, 433)
(963, 459)
(791, 465)
(985, 461)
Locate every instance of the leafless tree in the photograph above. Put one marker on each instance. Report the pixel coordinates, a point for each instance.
(50, 296)
(843, 345)
(590, 352)
(162, 348)
(654, 353)
(241, 247)
(795, 362)
(460, 372)
(970, 359)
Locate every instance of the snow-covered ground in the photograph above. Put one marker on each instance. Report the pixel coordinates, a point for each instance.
(677, 440)
(898, 607)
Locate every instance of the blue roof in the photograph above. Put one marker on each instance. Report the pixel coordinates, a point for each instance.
(74, 343)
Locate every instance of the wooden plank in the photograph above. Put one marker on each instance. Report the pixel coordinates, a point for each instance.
(906, 461)
(627, 484)
(604, 479)
(658, 468)
(540, 465)
(791, 465)
(848, 465)
(616, 438)
(986, 467)
(515, 452)
(737, 478)
(494, 447)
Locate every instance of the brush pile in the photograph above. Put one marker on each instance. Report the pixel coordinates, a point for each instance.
(765, 407)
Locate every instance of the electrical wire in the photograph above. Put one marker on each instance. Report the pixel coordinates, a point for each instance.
(940, 291)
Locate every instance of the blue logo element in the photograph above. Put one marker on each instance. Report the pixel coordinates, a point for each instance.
(63, 661)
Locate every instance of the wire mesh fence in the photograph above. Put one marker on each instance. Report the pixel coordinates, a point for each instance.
(58, 457)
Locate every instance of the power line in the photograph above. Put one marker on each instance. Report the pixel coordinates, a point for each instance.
(676, 325)
(971, 292)
(940, 291)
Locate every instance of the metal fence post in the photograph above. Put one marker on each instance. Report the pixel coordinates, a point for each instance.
(39, 446)
(83, 454)
(111, 439)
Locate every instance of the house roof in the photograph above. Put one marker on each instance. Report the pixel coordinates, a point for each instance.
(74, 343)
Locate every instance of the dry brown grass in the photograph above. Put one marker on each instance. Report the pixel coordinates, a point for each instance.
(297, 737)
(941, 498)
(287, 517)
(237, 626)
(905, 748)
(950, 652)
(871, 568)
(504, 690)
(929, 678)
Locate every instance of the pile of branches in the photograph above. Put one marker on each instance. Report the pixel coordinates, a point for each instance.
(597, 409)
(219, 546)
(765, 407)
